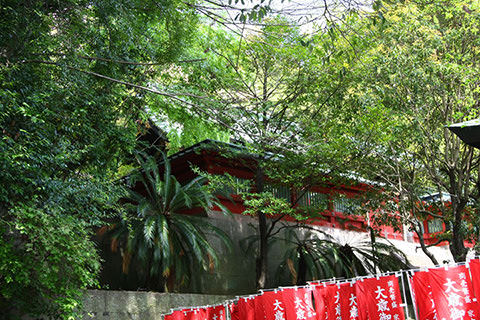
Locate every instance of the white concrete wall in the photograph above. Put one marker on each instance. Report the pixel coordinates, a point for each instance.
(236, 272)
(412, 250)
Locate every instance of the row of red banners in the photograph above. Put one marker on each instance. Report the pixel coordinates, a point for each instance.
(447, 293)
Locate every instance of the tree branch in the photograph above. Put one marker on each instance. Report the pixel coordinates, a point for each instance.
(129, 84)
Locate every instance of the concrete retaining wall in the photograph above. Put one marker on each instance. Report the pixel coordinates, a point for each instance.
(235, 274)
(133, 305)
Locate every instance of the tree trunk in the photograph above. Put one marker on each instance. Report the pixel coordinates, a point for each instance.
(262, 259)
(457, 246)
(458, 178)
(169, 282)
(374, 246)
(419, 232)
(302, 270)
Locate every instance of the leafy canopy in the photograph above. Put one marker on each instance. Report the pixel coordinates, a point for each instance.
(67, 123)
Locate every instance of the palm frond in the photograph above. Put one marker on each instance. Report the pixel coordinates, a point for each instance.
(327, 257)
(164, 243)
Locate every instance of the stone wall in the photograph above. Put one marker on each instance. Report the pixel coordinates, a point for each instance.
(136, 305)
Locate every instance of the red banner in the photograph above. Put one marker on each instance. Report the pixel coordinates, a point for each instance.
(259, 308)
(348, 302)
(319, 292)
(298, 304)
(475, 271)
(197, 314)
(336, 302)
(273, 305)
(188, 314)
(180, 314)
(233, 309)
(246, 308)
(452, 293)
(176, 315)
(340, 302)
(332, 302)
(382, 299)
(423, 296)
(215, 313)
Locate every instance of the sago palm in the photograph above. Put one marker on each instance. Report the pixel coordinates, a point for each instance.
(318, 255)
(166, 245)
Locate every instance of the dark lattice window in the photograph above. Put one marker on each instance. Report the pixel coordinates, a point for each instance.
(279, 191)
(435, 225)
(313, 199)
(347, 205)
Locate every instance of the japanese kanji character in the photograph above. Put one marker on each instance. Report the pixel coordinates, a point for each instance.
(277, 305)
(456, 314)
(354, 312)
(450, 286)
(279, 315)
(379, 293)
(383, 305)
(301, 314)
(306, 296)
(298, 303)
(337, 297)
(353, 299)
(384, 316)
(454, 300)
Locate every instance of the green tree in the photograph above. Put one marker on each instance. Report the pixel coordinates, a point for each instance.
(253, 89)
(67, 121)
(163, 242)
(421, 74)
(267, 89)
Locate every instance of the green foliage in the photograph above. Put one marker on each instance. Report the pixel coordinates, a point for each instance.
(166, 244)
(66, 126)
(419, 75)
(249, 87)
(223, 184)
(48, 257)
(314, 255)
(272, 89)
(268, 204)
